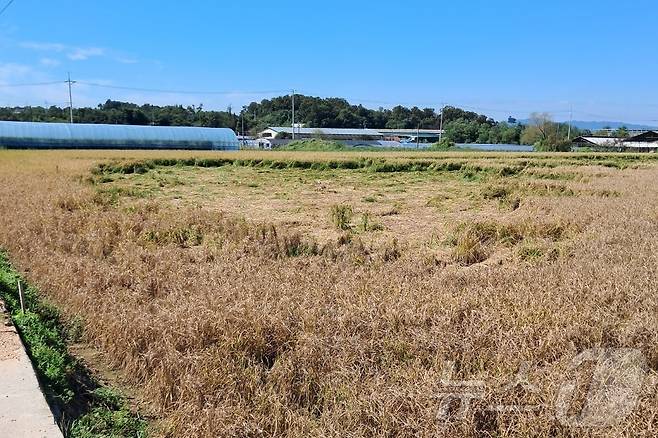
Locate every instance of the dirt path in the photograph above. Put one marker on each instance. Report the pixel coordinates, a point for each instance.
(23, 409)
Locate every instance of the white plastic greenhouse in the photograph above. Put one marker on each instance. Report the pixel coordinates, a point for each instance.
(31, 135)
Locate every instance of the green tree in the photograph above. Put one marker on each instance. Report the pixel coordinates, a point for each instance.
(622, 132)
(315, 112)
(545, 134)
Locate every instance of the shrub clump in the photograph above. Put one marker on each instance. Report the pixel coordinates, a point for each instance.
(443, 145)
(341, 216)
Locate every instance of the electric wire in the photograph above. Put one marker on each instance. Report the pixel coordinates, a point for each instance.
(6, 7)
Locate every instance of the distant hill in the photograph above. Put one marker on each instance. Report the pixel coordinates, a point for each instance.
(595, 126)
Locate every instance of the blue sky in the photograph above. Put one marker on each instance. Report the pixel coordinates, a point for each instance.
(496, 57)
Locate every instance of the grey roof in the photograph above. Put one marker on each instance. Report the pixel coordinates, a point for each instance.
(641, 144)
(600, 141)
(354, 131)
(410, 131)
(637, 141)
(328, 131)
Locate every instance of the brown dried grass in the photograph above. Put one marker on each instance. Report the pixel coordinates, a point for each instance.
(229, 332)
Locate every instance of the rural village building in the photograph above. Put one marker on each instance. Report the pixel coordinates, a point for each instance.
(644, 142)
(277, 135)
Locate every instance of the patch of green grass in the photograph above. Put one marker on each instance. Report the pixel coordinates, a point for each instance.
(96, 412)
(164, 180)
(109, 196)
(314, 145)
(556, 176)
(367, 223)
(444, 145)
(41, 332)
(546, 188)
(530, 251)
(111, 417)
(508, 166)
(504, 194)
(341, 216)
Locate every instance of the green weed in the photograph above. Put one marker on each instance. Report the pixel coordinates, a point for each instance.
(44, 336)
(367, 224)
(341, 216)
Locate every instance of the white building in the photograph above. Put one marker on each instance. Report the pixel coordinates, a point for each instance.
(644, 142)
(352, 134)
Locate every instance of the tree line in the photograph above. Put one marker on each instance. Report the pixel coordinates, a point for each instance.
(125, 113)
(460, 126)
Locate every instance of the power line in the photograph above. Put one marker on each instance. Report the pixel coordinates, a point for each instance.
(147, 90)
(159, 90)
(33, 84)
(440, 105)
(261, 92)
(6, 6)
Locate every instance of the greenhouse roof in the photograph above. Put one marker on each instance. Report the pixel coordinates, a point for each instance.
(64, 135)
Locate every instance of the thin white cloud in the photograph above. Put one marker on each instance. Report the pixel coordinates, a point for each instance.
(13, 73)
(43, 47)
(9, 71)
(49, 62)
(76, 53)
(82, 54)
(85, 95)
(126, 60)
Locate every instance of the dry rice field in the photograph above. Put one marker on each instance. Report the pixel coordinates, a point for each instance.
(266, 294)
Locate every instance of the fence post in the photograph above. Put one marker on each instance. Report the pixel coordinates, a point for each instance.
(20, 295)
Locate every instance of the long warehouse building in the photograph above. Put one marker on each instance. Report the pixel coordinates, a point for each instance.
(33, 135)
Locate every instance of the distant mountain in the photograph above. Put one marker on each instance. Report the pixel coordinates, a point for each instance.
(595, 126)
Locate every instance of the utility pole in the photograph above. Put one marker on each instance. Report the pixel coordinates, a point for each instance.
(293, 114)
(441, 125)
(70, 82)
(570, 121)
(418, 137)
